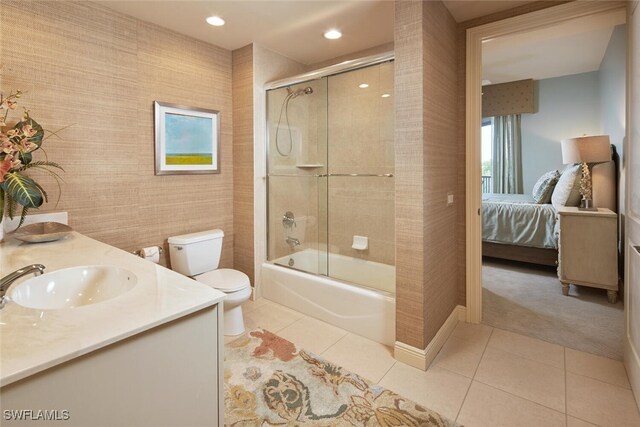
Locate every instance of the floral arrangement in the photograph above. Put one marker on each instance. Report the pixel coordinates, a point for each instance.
(17, 145)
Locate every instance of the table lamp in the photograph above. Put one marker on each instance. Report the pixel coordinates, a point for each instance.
(586, 150)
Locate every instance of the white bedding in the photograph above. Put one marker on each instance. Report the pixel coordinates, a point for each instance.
(516, 219)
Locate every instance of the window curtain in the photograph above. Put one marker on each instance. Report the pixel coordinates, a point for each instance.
(506, 156)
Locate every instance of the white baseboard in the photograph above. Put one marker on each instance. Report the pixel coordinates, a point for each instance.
(421, 359)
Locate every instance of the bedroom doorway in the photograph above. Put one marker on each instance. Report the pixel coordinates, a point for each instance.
(481, 179)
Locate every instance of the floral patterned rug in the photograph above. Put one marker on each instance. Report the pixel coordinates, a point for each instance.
(269, 382)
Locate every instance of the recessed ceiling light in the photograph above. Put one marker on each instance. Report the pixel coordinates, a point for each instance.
(363, 86)
(216, 21)
(332, 34)
(385, 95)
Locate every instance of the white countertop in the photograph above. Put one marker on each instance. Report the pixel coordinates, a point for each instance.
(32, 340)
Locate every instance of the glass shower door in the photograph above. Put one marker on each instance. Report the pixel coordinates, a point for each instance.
(297, 159)
(361, 187)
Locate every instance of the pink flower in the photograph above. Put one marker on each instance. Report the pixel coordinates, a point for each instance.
(28, 131)
(5, 166)
(6, 146)
(27, 146)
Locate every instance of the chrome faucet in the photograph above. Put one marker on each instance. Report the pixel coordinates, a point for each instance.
(6, 281)
(292, 241)
(288, 220)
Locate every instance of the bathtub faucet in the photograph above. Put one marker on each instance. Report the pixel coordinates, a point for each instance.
(292, 241)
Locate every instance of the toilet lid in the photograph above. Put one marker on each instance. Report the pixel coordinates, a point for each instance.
(224, 279)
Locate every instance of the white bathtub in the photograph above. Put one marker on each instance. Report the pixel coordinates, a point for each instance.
(363, 311)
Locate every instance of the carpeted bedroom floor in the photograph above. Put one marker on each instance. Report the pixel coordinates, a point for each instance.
(527, 299)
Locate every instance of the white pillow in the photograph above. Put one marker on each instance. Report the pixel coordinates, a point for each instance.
(567, 191)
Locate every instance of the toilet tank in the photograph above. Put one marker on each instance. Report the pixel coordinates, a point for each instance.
(196, 253)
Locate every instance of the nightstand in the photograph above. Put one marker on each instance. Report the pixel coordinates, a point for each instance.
(588, 250)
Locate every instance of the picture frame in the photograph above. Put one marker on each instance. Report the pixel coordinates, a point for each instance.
(187, 139)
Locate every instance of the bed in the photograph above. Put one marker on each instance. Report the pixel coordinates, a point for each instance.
(514, 227)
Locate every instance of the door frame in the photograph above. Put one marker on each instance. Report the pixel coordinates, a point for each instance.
(473, 195)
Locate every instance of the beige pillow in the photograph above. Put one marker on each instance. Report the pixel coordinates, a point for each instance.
(567, 191)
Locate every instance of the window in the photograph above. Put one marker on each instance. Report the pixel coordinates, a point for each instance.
(485, 137)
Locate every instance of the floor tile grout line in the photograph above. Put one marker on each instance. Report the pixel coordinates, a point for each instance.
(289, 324)
(519, 397)
(464, 399)
(335, 343)
(484, 350)
(566, 390)
(474, 373)
(387, 371)
(524, 356)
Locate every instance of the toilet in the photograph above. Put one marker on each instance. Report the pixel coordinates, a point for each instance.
(197, 255)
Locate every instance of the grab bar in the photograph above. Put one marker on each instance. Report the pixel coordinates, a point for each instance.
(384, 175)
(324, 175)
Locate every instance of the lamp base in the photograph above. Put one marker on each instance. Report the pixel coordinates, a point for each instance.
(587, 205)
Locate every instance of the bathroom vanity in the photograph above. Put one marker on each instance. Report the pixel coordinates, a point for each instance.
(149, 356)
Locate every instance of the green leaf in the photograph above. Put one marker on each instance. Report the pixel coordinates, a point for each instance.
(23, 190)
(25, 158)
(23, 215)
(1, 204)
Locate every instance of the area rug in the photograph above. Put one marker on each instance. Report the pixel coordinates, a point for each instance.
(270, 382)
(527, 299)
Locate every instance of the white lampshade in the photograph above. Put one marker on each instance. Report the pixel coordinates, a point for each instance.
(588, 149)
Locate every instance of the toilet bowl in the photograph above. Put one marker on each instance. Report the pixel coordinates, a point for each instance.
(237, 289)
(197, 255)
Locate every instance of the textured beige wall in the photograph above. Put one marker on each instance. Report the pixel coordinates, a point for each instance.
(409, 159)
(440, 159)
(83, 65)
(243, 247)
(426, 169)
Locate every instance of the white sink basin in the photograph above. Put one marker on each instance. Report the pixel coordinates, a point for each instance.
(73, 287)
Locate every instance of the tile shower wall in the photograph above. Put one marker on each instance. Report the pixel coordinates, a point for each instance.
(361, 141)
(84, 65)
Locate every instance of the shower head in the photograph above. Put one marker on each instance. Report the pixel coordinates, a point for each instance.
(306, 91)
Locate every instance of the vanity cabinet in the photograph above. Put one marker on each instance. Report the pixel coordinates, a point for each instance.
(170, 375)
(588, 250)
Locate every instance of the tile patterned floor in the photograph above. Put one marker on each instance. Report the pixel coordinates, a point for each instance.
(483, 376)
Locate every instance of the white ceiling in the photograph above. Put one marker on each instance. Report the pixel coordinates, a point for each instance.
(573, 47)
(292, 28)
(464, 10)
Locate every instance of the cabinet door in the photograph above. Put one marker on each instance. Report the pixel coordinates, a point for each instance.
(589, 250)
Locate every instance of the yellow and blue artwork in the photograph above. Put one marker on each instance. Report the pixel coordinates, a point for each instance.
(188, 140)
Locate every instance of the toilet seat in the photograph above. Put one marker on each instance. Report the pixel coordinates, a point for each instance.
(225, 280)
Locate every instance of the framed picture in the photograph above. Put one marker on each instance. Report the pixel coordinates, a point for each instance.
(187, 139)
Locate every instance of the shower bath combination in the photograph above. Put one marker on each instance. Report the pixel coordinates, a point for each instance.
(330, 179)
(291, 94)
